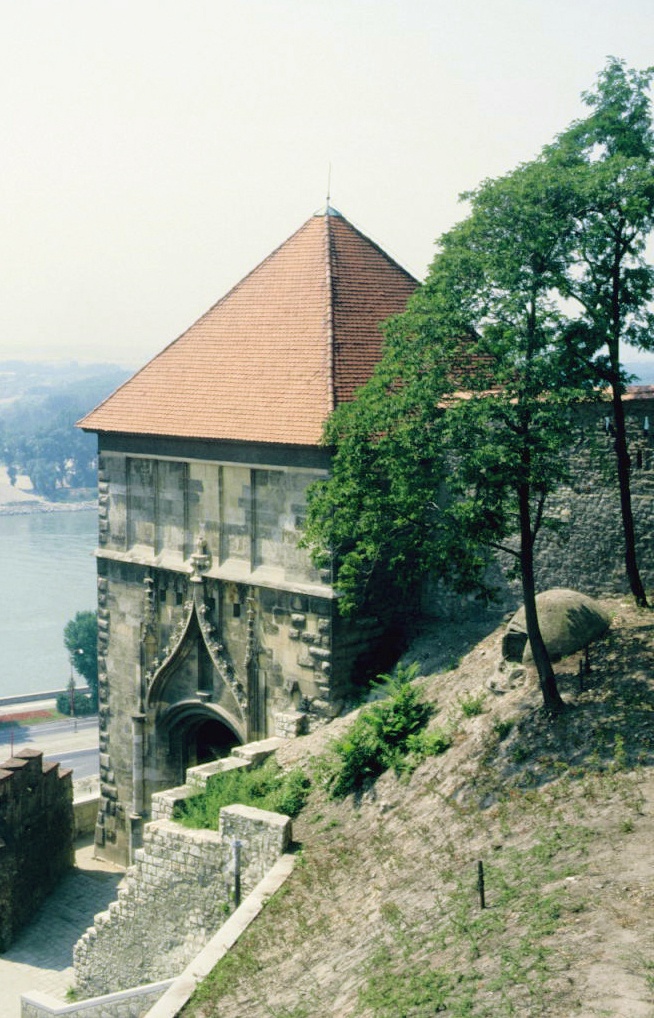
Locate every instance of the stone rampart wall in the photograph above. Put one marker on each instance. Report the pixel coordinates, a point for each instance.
(586, 550)
(179, 891)
(36, 836)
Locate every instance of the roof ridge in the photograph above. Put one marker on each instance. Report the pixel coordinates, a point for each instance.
(373, 243)
(331, 388)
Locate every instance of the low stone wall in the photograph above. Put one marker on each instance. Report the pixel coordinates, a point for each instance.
(85, 810)
(178, 893)
(36, 836)
(126, 1004)
(252, 754)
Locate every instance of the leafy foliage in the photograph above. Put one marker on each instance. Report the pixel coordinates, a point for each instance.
(387, 733)
(267, 787)
(372, 514)
(80, 705)
(471, 705)
(452, 449)
(81, 642)
(606, 163)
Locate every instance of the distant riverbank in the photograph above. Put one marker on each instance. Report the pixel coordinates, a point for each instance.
(19, 499)
(43, 506)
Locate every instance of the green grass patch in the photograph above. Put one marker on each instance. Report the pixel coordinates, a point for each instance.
(467, 961)
(471, 705)
(267, 787)
(27, 717)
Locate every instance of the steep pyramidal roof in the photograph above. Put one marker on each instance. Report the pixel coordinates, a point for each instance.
(274, 356)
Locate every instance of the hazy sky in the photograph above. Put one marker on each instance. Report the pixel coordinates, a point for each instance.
(154, 151)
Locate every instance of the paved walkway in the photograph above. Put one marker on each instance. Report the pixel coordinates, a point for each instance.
(42, 956)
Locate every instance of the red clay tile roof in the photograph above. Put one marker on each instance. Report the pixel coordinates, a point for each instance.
(271, 360)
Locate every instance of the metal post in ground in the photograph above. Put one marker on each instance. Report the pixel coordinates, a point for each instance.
(236, 845)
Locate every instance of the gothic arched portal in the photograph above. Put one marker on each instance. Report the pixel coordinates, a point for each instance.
(196, 733)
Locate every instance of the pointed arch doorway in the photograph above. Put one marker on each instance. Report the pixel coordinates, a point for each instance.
(195, 703)
(197, 733)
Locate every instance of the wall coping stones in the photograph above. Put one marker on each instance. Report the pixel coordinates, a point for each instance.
(256, 752)
(197, 777)
(49, 1007)
(254, 814)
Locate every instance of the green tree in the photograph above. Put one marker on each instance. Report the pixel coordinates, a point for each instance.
(81, 642)
(606, 162)
(523, 298)
(425, 480)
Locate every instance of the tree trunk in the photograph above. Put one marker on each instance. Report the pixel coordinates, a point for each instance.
(624, 483)
(546, 677)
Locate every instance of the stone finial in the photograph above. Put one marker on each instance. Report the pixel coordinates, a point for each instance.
(201, 557)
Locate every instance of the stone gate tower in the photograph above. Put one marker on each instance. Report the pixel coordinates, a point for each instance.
(214, 627)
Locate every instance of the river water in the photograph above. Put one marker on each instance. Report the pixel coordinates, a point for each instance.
(47, 574)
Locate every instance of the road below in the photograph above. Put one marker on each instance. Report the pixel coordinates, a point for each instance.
(84, 763)
(72, 743)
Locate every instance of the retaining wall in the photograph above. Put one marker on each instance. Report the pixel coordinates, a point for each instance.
(585, 550)
(178, 893)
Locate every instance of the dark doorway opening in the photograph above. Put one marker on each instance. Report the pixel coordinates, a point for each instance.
(205, 739)
(213, 740)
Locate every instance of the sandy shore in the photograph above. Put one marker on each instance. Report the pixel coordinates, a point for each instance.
(19, 499)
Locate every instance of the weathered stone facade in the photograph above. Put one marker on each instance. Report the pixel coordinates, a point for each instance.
(588, 552)
(36, 836)
(214, 626)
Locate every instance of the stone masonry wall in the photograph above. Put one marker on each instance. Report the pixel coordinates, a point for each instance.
(36, 836)
(586, 551)
(176, 895)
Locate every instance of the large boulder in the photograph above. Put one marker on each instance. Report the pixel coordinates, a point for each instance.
(568, 621)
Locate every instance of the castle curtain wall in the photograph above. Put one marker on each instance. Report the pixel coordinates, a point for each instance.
(585, 549)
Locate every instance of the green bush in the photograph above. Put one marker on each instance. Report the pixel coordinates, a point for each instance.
(471, 705)
(503, 728)
(267, 787)
(83, 704)
(388, 733)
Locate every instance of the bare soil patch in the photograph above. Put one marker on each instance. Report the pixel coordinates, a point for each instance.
(382, 915)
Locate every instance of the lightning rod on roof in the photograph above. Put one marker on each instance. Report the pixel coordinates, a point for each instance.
(329, 183)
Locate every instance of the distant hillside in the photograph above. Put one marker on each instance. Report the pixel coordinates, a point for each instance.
(39, 378)
(39, 405)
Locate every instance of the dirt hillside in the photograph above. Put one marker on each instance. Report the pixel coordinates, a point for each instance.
(382, 915)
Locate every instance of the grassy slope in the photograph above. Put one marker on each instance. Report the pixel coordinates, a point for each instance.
(381, 916)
